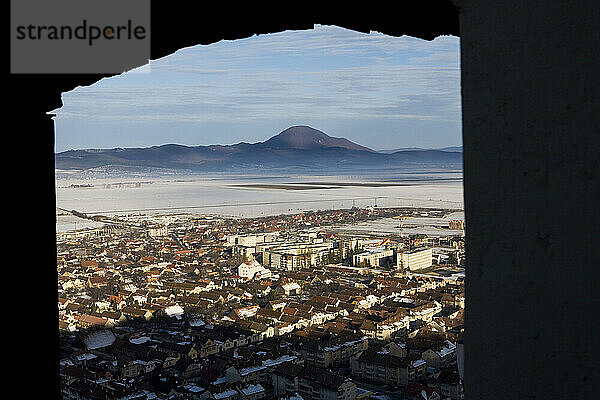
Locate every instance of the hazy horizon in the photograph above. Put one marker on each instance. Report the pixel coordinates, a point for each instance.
(181, 144)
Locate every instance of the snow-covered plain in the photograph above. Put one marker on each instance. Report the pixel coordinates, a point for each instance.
(273, 196)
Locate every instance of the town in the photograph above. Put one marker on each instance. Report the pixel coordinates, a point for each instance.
(185, 306)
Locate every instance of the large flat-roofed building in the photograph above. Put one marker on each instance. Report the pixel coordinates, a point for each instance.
(415, 259)
(251, 240)
(294, 255)
(373, 257)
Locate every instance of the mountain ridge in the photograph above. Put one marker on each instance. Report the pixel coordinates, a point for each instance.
(300, 147)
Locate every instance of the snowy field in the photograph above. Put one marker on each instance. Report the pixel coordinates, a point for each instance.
(258, 197)
(67, 223)
(421, 225)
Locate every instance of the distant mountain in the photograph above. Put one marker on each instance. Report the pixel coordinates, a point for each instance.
(455, 149)
(305, 137)
(298, 148)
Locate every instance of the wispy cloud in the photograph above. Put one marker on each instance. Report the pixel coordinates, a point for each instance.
(328, 73)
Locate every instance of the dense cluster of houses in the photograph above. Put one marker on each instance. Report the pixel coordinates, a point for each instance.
(195, 312)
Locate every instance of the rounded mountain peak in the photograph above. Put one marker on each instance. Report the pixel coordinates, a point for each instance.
(306, 137)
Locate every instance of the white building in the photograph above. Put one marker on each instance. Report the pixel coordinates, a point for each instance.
(253, 269)
(415, 259)
(158, 231)
(294, 255)
(372, 256)
(251, 240)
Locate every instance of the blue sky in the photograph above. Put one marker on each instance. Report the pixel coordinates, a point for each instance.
(379, 91)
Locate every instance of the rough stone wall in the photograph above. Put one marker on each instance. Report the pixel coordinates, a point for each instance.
(530, 95)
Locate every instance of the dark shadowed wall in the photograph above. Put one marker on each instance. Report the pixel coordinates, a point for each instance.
(531, 121)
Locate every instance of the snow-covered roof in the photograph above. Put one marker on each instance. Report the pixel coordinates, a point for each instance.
(99, 339)
(85, 356)
(225, 394)
(418, 363)
(291, 286)
(196, 322)
(447, 348)
(193, 388)
(249, 370)
(139, 340)
(174, 310)
(251, 263)
(253, 389)
(220, 380)
(279, 360)
(295, 396)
